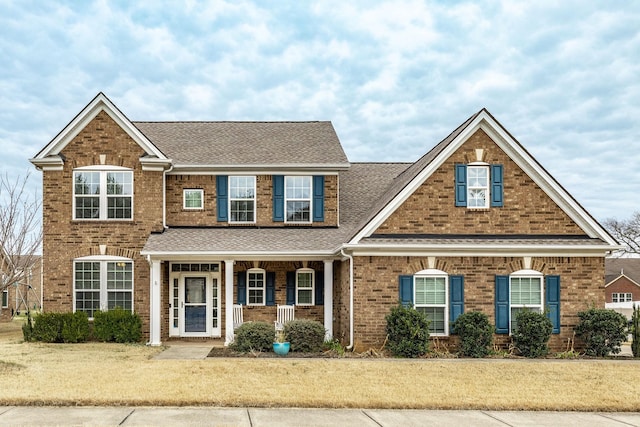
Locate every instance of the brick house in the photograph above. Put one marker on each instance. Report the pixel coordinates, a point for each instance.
(622, 284)
(24, 294)
(179, 221)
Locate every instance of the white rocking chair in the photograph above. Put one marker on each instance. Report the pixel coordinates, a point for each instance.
(286, 313)
(237, 316)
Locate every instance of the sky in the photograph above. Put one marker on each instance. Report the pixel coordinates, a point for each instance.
(394, 77)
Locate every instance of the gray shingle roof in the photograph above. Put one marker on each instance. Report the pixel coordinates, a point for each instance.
(246, 143)
(614, 267)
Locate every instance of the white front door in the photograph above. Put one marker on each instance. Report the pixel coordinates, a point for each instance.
(194, 305)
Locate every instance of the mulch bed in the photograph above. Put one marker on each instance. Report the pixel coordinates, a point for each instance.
(227, 352)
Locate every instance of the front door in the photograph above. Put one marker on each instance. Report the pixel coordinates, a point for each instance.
(195, 305)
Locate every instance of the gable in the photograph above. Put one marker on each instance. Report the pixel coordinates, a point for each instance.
(49, 158)
(516, 154)
(526, 209)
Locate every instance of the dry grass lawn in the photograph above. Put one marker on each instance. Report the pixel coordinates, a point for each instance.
(114, 374)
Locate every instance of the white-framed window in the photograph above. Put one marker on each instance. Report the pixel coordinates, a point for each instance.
(192, 198)
(256, 286)
(305, 286)
(5, 298)
(621, 297)
(103, 194)
(430, 296)
(477, 186)
(297, 198)
(102, 283)
(526, 291)
(242, 199)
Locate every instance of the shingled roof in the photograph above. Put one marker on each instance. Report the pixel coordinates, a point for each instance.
(241, 144)
(616, 267)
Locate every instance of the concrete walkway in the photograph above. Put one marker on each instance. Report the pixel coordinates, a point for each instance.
(257, 417)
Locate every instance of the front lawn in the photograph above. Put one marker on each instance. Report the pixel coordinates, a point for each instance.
(121, 374)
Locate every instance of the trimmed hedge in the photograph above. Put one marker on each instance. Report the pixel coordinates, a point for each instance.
(476, 334)
(602, 330)
(532, 333)
(57, 327)
(407, 332)
(305, 336)
(253, 336)
(117, 325)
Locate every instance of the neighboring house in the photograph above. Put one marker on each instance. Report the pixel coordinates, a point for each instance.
(25, 293)
(179, 221)
(622, 284)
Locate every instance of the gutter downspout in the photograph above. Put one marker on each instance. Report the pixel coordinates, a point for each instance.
(164, 197)
(344, 254)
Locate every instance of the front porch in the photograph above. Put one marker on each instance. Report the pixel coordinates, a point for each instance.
(193, 300)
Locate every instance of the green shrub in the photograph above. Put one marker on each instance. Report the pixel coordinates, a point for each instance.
(47, 327)
(476, 334)
(602, 330)
(407, 332)
(117, 325)
(532, 333)
(305, 336)
(635, 331)
(75, 327)
(254, 336)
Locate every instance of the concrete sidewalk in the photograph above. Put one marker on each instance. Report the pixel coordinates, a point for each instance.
(257, 417)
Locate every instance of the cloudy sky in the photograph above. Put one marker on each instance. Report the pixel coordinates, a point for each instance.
(393, 77)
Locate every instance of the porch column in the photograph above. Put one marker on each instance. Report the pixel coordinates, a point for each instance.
(154, 310)
(228, 302)
(328, 299)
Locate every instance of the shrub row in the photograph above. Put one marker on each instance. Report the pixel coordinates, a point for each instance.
(602, 331)
(111, 326)
(305, 336)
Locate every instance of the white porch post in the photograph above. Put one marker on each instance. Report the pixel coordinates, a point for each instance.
(228, 302)
(154, 311)
(328, 299)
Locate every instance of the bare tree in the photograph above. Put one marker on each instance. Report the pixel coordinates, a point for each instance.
(20, 229)
(627, 232)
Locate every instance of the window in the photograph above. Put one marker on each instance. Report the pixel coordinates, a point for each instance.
(621, 297)
(478, 186)
(256, 287)
(192, 199)
(297, 193)
(103, 284)
(430, 297)
(5, 298)
(524, 293)
(242, 193)
(103, 194)
(305, 286)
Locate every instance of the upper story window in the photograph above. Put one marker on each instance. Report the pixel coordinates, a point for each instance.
(192, 199)
(430, 297)
(621, 297)
(103, 194)
(305, 286)
(102, 284)
(242, 198)
(297, 193)
(478, 185)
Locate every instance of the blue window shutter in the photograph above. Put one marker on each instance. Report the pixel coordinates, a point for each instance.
(270, 297)
(406, 291)
(242, 287)
(496, 185)
(552, 291)
(461, 185)
(456, 298)
(502, 304)
(278, 198)
(318, 198)
(291, 287)
(319, 288)
(222, 198)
